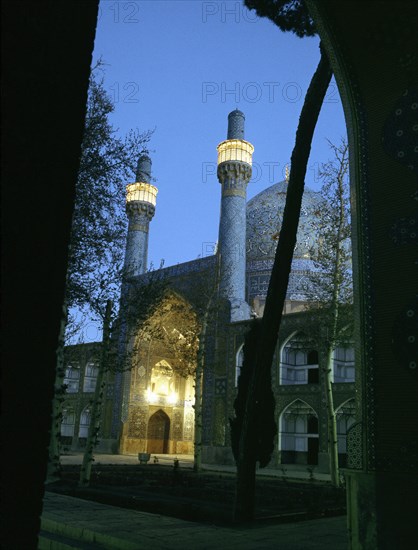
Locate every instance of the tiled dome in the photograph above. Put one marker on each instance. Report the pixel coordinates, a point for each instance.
(264, 219)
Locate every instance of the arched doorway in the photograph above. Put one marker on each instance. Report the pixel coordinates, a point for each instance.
(299, 361)
(158, 433)
(346, 417)
(67, 425)
(298, 436)
(83, 429)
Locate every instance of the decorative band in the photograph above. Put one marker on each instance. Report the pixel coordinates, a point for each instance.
(137, 227)
(233, 193)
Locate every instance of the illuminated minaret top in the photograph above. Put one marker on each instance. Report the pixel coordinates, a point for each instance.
(141, 198)
(234, 173)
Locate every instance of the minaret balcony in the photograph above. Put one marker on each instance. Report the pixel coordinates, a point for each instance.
(141, 192)
(237, 150)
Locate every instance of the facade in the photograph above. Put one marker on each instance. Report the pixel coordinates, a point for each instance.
(153, 404)
(82, 362)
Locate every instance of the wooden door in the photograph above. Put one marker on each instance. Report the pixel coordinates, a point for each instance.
(158, 433)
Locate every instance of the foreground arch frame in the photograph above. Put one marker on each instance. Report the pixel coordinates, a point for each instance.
(373, 52)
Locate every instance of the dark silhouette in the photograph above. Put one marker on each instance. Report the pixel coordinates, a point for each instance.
(288, 16)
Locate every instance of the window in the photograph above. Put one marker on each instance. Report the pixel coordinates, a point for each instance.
(300, 425)
(298, 434)
(162, 380)
(299, 361)
(84, 423)
(300, 376)
(67, 423)
(90, 377)
(345, 419)
(290, 374)
(312, 357)
(344, 364)
(239, 362)
(72, 378)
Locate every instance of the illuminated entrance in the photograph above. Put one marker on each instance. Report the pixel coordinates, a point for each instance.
(158, 433)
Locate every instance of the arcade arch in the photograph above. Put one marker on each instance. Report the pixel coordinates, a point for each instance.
(239, 361)
(298, 434)
(299, 362)
(345, 414)
(67, 425)
(83, 430)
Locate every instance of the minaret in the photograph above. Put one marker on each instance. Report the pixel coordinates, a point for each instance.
(234, 173)
(141, 198)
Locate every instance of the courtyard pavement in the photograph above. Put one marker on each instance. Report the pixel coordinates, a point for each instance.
(289, 471)
(69, 523)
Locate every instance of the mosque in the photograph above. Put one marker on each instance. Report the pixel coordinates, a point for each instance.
(153, 406)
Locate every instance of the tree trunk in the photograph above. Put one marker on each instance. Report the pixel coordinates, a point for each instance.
(245, 494)
(331, 341)
(197, 465)
(96, 406)
(332, 422)
(54, 466)
(244, 502)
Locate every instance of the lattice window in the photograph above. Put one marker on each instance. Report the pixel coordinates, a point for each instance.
(299, 362)
(90, 377)
(239, 363)
(84, 423)
(298, 422)
(343, 358)
(72, 378)
(67, 423)
(345, 419)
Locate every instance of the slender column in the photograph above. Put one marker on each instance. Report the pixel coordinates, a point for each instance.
(234, 173)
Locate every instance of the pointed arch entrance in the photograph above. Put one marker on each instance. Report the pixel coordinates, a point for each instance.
(299, 361)
(346, 417)
(158, 433)
(298, 436)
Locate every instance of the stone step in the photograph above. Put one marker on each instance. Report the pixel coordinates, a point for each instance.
(53, 541)
(55, 535)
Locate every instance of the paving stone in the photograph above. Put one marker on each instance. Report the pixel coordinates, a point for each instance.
(133, 530)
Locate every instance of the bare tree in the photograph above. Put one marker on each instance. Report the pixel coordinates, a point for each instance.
(136, 307)
(330, 286)
(99, 224)
(96, 404)
(293, 16)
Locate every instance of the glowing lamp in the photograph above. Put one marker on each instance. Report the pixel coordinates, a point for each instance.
(142, 192)
(235, 150)
(172, 398)
(151, 396)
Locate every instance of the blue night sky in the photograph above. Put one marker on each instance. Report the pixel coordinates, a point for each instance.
(180, 66)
